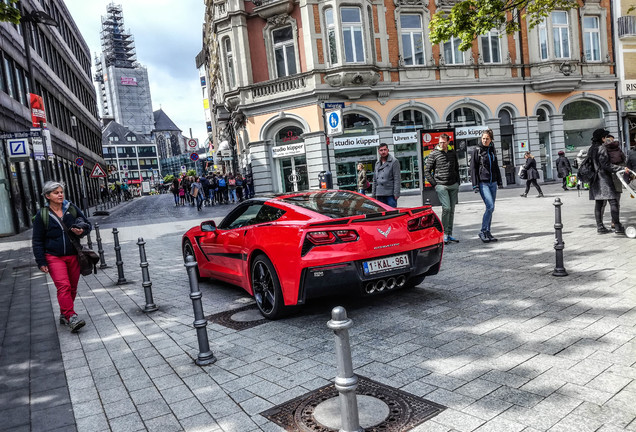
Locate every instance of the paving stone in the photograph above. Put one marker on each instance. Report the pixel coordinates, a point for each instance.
(458, 420)
(166, 423)
(93, 423)
(120, 408)
(128, 423)
(186, 408)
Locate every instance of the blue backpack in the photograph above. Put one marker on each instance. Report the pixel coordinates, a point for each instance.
(222, 182)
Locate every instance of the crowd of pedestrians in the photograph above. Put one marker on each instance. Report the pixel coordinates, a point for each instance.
(210, 190)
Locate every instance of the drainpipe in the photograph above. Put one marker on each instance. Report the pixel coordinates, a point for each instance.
(523, 77)
(617, 97)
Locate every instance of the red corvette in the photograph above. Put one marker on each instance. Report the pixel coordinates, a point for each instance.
(286, 249)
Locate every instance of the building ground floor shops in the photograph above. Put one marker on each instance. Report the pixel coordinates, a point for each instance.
(21, 184)
(287, 147)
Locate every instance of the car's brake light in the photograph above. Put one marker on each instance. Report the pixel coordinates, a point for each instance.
(321, 237)
(427, 221)
(347, 235)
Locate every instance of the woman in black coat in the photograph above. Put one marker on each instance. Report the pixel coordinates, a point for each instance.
(533, 174)
(604, 188)
(564, 169)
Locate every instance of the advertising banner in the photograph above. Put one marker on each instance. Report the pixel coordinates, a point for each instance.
(405, 138)
(130, 81)
(288, 150)
(353, 142)
(470, 132)
(38, 114)
(38, 147)
(429, 138)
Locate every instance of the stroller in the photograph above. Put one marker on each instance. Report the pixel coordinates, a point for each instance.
(630, 231)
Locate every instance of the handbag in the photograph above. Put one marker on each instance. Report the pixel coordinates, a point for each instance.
(523, 173)
(86, 257)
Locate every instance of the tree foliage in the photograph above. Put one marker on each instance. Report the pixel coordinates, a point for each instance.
(168, 179)
(470, 18)
(9, 13)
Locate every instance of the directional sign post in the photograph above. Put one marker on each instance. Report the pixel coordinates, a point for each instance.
(97, 171)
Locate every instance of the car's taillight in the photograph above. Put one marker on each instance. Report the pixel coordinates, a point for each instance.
(427, 221)
(321, 237)
(347, 235)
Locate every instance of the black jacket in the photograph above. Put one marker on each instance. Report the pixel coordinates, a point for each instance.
(531, 168)
(484, 166)
(53, 239)
(606, 185)
(442, 167)
(563, 166)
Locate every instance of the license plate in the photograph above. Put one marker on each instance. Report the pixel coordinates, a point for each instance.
(385, 264)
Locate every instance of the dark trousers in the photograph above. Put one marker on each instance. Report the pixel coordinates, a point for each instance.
(615, 209)
(532, 182)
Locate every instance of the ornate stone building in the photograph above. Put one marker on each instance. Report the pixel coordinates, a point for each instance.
(272, 64)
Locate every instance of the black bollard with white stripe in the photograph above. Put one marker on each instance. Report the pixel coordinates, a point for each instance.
(205, 357)
(150, 304)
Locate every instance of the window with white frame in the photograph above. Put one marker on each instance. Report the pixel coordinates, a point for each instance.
(331, 36)
(284, 52)
(412, 39)
(229, 62)
(490, 47)
(543, 40)
(352, 35)
(591, 38)
(452, 54)
(561, 34)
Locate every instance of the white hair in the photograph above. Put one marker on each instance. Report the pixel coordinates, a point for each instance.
(50, 186)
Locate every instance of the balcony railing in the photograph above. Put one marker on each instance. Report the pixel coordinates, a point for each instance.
(627, 27)
(277, 86)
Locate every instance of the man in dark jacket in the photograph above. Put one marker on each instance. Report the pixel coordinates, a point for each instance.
(442, 172)
(386, 180)
(564, 169)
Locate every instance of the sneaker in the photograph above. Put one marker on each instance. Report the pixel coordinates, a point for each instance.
(445, 239)
(601, 229)
(452, 239)
(524, 195)
(540, 195)
(484, 237)
(75, 323)
(492, 239)
(63, 320)
(619, 229)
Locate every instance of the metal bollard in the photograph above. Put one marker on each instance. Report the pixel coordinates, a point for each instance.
(150, 304)
(559, 245)
(205, 357)
(120, 264)
(89, 242)
(346, 382)
(100, 250)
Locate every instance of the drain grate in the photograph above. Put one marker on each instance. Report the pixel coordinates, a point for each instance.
(225, 318)
(405, 410)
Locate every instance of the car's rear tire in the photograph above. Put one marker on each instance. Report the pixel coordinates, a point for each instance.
(266, 288)
(188, 250)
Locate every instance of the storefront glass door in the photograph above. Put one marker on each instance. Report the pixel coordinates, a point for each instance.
(287, 168)
(6, 218)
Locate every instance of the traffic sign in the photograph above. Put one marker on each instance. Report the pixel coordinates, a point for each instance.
(25, 134)
(334, 122)
(18, 147)
(79, 162)
(194, 157)
(97, 171)
(334, 105)
(183, 169)
(193, 142)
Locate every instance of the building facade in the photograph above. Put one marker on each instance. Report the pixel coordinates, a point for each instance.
(273, 64)
(169, 139)
(60, 63)
(122, 83)
(626, 68)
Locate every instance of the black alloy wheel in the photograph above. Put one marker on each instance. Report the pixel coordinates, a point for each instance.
(266, 288)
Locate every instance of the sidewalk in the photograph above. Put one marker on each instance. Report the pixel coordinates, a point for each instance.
(494, 337)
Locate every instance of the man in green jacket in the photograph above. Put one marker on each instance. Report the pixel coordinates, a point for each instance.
(442, 171)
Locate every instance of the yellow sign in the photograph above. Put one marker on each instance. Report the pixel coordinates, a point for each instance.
(206, 103)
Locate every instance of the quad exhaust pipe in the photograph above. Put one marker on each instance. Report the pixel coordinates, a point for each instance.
(382, 284)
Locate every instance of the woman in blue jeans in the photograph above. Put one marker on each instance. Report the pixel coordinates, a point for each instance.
(486, 178)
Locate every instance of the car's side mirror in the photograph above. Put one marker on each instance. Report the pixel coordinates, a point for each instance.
(208, 226)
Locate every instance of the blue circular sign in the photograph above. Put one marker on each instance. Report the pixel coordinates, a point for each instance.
(79, 161)
(334, 120)
(194, 156)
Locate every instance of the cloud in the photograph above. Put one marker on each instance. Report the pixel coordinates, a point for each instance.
(167, 39)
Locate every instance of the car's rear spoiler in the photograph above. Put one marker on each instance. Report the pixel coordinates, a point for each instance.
(371, 217)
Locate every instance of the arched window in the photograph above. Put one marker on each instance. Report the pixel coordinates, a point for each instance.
(357, 124)
(464, 116)
(542, 114)
(505, 118)
(410, 120)
(288, 135)
(581, 110)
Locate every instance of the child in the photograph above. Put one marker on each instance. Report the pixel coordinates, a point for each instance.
(181, 195)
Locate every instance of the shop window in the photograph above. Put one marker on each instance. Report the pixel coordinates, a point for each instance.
(452, 54)
(412, 39)
(410, 120)
(357, 124)
(288, 135)
(462, 117)
(490, 47)
(331, 36)
(591, 38)
(352, 35)
(284, 51)
(581, 110)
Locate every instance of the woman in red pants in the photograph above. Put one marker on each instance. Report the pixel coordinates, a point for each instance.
(54, 252)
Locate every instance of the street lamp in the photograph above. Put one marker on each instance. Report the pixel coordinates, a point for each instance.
(81, 168)
(36, 17)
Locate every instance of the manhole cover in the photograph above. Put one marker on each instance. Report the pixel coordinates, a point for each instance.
(405, 410)
(240, 318)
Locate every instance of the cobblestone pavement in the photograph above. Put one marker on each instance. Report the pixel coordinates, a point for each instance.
(494, 336)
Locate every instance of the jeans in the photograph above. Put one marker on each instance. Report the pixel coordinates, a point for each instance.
(211, 192)
(488, 192)
(176, 199)
(362, 191)
(199, 200)
(232, 195)
(389, 200)
(65, 272)
(447, 195)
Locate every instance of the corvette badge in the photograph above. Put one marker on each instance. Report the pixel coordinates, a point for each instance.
(385, 233)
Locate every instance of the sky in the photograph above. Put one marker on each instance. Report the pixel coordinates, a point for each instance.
(168, 36)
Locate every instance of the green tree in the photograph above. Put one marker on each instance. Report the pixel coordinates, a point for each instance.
(470, 18)
(191, 173)
(9, 13)
(168, 179)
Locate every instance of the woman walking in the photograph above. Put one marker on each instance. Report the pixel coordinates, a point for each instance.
(362, 179)
(564, 169)
(533, 175)
(53, 248)
(486, 178)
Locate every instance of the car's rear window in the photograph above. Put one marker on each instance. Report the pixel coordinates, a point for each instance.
(335, 204)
